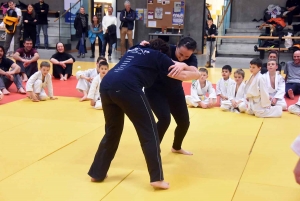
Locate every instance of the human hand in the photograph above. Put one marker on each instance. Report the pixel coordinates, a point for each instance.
(89, 79)
(274, 101)
(93, 103)
(26, 21)
(62, 64)
(34, 97)
(26, 63)
(53, 98)
(210, 103)
(176, 68)
(34, 20)
(144, 43)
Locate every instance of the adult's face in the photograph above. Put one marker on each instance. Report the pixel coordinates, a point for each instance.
(41, 1)
(30, 8)
(272, 56)
(127, 6)
(11, 5)
(28, 45)
(182, 53)
(60, 48)
(109, 10)
(82, 10)
(296, 57)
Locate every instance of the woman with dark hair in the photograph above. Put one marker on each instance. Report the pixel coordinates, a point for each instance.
(94, 33)
(81, 27)
(30, 22)
(121, 92)
(62, 63)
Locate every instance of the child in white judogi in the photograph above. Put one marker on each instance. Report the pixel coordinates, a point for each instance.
(85, 79)
(37, 83)
(224, 83)
(236, 94)
(275, 84)
(1, 95)
(257, 94)
(295, 108)
(199, 90)
(94, 94)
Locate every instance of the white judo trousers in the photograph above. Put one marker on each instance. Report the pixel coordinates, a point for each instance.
(259, 103)
(94, 93)
(36, 85)
(83, 84)
(295, 108)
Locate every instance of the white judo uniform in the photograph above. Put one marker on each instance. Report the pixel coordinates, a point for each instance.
(295, 108)
(238, 95)
(36, 84)
(94, 93)
(296, 146)
(279, 90)
(222, 87)
(83, 84)
(201, 94)
(258, 97)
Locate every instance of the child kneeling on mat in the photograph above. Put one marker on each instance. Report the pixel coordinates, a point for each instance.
(35, 86)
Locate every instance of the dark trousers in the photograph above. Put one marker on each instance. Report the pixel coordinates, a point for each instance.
(116, 103)
(30, 34)
(106, 41)
(291, 14)
(29, 70)
(6, 83)
(294, 86)
(57, 70)
(99, 45)
(163, 105)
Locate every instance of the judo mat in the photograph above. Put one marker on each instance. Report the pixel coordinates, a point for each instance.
(46, 150)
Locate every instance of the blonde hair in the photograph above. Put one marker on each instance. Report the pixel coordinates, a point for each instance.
(240, 72)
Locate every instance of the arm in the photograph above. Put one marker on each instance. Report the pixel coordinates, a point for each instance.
(280, 88)
(132, 17)
(93, 88)
(15, 69)
(186, 75)
(264, 94)
(37, 8)
(211, 91)
(122, 18)
(17, 57)
(30, 82)
(46, 9)
(104, 25)
(35, 57)
(50, 87)
(218, 88)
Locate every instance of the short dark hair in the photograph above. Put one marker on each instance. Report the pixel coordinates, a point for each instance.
(103, 63)
(227, 67)
(45, 64)
(257, 62)
(27, 39)
(57, 44)
(204, 70)
(1, 47)
(273, 52)
(160, 45)
(188, 42)
(240, 72)
(210, 19)
(101, 58)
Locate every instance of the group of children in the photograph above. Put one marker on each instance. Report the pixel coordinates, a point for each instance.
(88, 83)
(262, 95)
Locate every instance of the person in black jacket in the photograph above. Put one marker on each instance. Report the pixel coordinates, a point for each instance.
(29, 24)
(293, 6)
(81, 26)
(127, 17)
(210, 31)
(41, 10)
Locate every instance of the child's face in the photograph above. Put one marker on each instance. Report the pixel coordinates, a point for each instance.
(45, 70)
(254, 69)
(203, 76)
(238, 78)
(103, 70)
(209, 22)
(225, 74)
(272, 66)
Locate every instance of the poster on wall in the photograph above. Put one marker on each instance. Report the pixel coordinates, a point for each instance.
(177, 7)
(159, 13)
(139, 14)
(70, 16)
(158, 1)
(177, 17)
(150, 14)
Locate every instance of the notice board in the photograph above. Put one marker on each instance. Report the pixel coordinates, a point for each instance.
(165, 14)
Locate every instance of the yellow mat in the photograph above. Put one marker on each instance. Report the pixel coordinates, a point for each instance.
(259, 192)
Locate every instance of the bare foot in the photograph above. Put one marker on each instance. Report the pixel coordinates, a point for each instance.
(291, 94)
(160, 185)
(21, 91)
(65, 78)
(181, 151)
(5, 91)
(84, 98)
(62, 79)
(96, 180)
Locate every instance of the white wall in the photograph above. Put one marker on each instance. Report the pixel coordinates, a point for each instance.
(216, 5)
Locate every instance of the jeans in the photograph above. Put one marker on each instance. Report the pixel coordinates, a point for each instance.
(45, 31)
(81, 49)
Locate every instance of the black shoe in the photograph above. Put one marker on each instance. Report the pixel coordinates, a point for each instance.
(46, 48)
(79, 55)
(93, 56)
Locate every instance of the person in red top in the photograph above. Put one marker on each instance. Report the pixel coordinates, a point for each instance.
(26, 57)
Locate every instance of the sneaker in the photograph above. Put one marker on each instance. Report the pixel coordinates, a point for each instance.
(109, 57)
(190, 102)
(83, 55)
(93, 56)
(78, 56)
